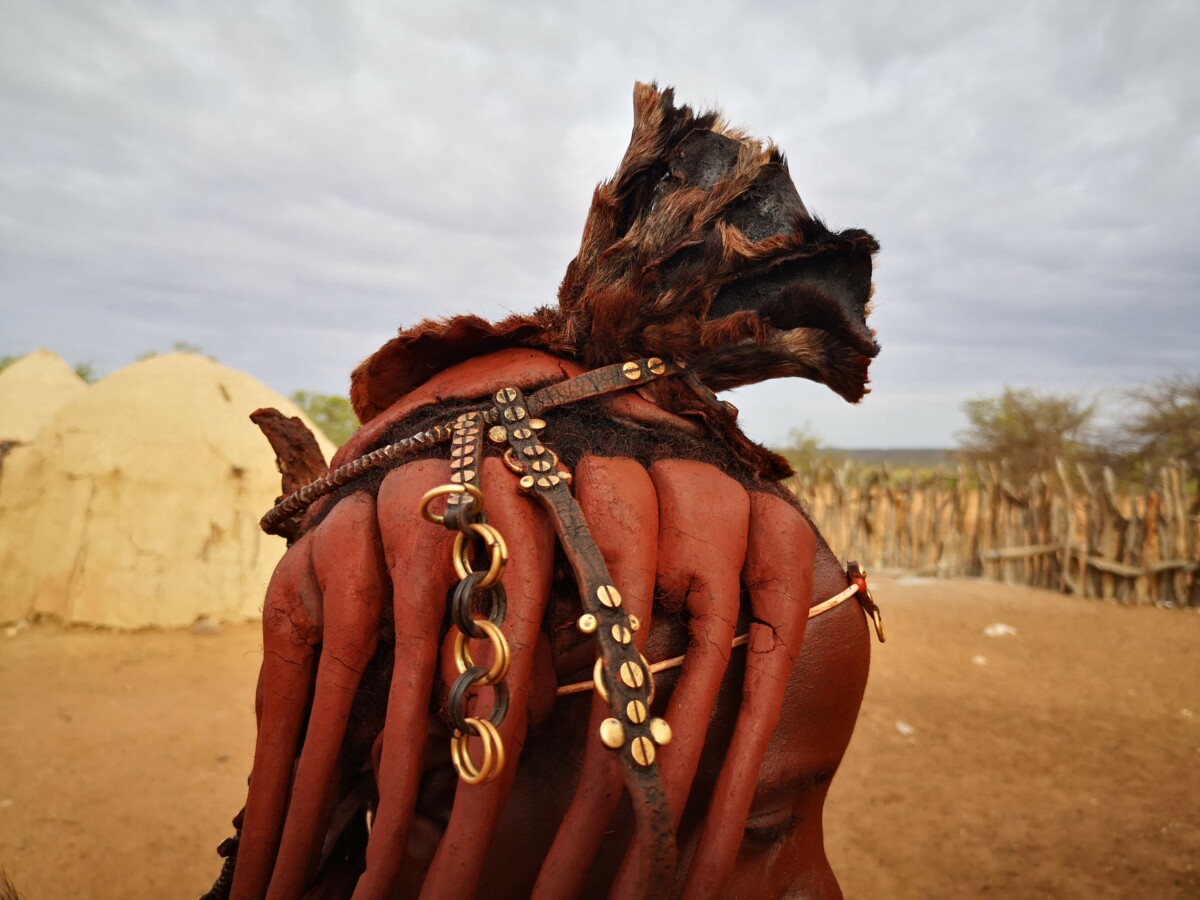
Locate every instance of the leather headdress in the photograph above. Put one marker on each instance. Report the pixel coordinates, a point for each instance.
(699, 249)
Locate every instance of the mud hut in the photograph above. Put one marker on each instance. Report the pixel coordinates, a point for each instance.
(32, 390)
(137, 504)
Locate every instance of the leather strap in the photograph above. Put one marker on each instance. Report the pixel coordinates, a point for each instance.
(626, 677)
(466, 456)
(605, 380)
(596, 383)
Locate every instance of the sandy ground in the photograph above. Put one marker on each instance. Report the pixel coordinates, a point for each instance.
(1062, 761)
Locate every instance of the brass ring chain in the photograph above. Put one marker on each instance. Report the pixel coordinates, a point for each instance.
(477, 604)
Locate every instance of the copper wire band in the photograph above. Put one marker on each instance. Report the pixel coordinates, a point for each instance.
(596, 383)
(631, 732)
(581, 687)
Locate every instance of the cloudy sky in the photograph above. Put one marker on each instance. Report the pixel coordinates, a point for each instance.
(286, 184)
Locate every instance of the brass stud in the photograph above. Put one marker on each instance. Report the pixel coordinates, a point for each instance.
(533, 451)
(456, 477)
(612, 734)
(537, 424)
(463, 417)
(522, 434)
(632, 675)
(541, 465)
(526, 483)
(621, 634)
(656, 365)
(497, 434)
(634, 623)
(660, 731)
(608, 595)
(636, 711)
(566, 477)
(518, 412)
(543, 482)
(456, 463)
(632, 371)
(468, 474)
(588, 623)
(642, 750)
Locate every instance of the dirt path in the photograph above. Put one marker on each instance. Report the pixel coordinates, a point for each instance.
(1067, 765)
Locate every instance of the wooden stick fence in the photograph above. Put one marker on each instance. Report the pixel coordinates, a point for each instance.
(1070, 530)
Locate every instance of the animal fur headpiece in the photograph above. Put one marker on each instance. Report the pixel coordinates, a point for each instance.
(698, 248)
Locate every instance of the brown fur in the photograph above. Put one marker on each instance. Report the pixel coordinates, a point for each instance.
(698, 248)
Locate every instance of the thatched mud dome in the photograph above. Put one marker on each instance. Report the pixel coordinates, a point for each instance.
(138, 502)
(32, 390)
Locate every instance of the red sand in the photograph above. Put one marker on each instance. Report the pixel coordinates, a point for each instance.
(1068, 765)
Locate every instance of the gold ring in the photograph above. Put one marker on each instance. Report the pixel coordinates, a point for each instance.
(464, 661)
(510, 460)
(494, 542)
(493, 753)
(598, 678)
(441, 491)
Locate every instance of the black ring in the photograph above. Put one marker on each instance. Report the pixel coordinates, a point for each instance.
(499, 703)
(460, 605)
(458, 693)
(462, 608)
(461, 516)
(499, 603)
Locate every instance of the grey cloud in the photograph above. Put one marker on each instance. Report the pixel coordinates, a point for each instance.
(287, 185)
